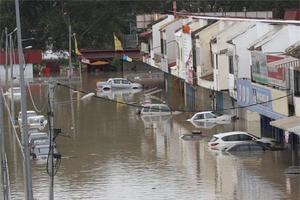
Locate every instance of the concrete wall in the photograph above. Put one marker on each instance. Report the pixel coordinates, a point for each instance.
(297, 106)
(28, 72)
(242, 55)
(284, 38)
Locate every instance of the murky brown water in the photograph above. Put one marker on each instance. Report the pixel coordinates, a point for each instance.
(111, 153)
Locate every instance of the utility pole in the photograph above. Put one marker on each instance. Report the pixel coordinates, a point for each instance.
(51, 134)
(70, 48)
(71, 72)
(24, 128)
(3, 170)
(6, 58)
(12, 103)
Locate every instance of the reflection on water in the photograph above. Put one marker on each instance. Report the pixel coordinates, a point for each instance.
(115, 154)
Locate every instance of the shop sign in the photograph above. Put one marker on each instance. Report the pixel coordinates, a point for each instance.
(258, 99)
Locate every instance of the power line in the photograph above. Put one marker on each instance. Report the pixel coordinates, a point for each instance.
(180, 110)
(13, 126)
(33, 103)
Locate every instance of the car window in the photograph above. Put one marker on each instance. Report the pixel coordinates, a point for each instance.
(154, 109)
(125, 81)
(244, 137)
(164, 109)
(199, 116)
(146, 109)
(117, 81)
(209, 116)
(231, 138)
(216, 113)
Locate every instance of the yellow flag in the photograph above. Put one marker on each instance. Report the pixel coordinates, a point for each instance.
(77, 52)
(118, 45)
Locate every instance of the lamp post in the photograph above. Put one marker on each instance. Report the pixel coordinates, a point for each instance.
(24, 129)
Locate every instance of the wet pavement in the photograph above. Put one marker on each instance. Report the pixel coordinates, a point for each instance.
(109, 152)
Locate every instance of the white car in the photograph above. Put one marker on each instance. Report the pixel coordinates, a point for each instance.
(224, 140)
(211, 116)
(155, 109)
(16, 92)
(30, 113)
(37, 122)
(119, 83)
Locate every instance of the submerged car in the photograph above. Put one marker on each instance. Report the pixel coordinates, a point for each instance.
(155, 109)
(247, 146)
(30, 113)
(16, 91)
(224, 140)
(211, 116)
(40, 152)
(37, 122)
(118, 83)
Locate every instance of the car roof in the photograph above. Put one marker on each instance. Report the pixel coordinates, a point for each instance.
(37, 116)
(37, 134)
(117, 79)
(42, 146)
(155, 104)
(28, 111)
(230, 133)
(203, 112)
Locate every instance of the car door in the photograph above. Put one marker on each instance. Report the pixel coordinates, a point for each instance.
(230, 140)
(154, 110)
(199, 117)
(125, 83)
(209, 117)
(116, 83)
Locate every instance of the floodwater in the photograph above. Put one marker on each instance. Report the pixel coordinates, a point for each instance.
(110, 153)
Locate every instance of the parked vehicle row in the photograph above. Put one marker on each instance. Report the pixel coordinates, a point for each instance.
(39, 141)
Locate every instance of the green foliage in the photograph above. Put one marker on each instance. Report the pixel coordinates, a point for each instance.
(95, 21)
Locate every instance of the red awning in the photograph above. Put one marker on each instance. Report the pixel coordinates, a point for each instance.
(31, 56)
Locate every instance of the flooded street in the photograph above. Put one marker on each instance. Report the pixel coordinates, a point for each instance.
(109, 152)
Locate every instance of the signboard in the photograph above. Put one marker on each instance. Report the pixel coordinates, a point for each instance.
(259, 99)
(187, 56)
(271, 69)
(259, 67)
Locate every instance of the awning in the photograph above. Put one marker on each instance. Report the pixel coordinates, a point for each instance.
(291, 124)
(99, 62)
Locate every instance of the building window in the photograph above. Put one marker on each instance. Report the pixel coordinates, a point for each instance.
(165, 47)
(230, 62)
(162, 46)
(297, 83)
(217, 61)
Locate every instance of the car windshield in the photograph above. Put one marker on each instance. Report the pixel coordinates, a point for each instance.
(17, 90)
(34, 120)
(43, 150)
(216, 113)
(41, 141)
(165, 109)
